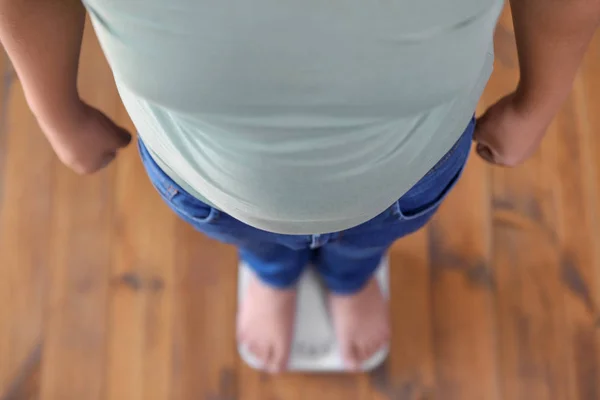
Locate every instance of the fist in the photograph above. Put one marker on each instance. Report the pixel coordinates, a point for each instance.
(88, 141)
(508, 133)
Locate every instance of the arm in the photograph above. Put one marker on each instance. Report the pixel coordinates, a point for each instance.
(43, 40)
(552, 37)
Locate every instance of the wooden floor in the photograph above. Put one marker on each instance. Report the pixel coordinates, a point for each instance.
(105, 295)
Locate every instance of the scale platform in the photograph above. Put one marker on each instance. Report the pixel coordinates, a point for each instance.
(314, 348)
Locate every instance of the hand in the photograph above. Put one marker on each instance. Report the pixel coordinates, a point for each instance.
(87, 140)
(508, 132)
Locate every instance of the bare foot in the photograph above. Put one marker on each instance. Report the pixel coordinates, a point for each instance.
(265, 324)
(362, 323)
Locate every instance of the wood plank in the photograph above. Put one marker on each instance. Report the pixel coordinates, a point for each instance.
(332, 386)
(463, 290)
(75, 340)
(25, 212)
(141, 296)
(577, 190)
(587, 372)
(531, 320)
(409, 373)
(25, 384)
(8, 77)
(206, 362)
(257, 385)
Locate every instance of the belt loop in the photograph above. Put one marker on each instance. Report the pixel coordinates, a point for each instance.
(315, 241)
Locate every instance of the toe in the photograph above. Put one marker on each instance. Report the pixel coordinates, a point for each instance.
(271, 360)
(367, 349)
(257, 351)
(278, 360)
(351, 357)
(282, 360)
(377, 341)
(375, 344)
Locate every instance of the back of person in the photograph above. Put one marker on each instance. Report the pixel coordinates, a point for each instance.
(298, 117)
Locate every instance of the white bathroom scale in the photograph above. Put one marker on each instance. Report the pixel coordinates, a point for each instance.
(314, 348)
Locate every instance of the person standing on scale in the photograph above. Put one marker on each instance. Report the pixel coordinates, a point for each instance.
(300, 131)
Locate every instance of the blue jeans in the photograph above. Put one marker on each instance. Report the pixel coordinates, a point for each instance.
(346, 260)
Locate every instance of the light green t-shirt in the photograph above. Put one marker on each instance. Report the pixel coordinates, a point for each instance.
(298, 117)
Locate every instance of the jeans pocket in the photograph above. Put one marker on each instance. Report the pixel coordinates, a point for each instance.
(184, 204)
(425, 198)
(190, 208)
